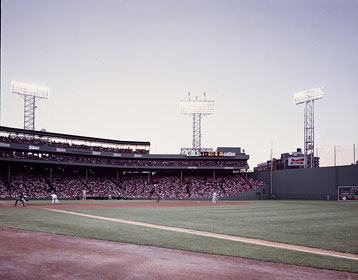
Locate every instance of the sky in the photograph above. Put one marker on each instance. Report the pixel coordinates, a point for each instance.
(118, 69)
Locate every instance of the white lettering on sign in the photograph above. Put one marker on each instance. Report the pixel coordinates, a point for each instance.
(4, 145)
(34, 148)
(296, 161)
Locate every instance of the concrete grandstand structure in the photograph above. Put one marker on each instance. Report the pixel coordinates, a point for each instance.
(38, 163)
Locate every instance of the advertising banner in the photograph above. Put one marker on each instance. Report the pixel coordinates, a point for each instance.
(296, 161)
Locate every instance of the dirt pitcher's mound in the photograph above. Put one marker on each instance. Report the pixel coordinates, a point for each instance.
(37, 255)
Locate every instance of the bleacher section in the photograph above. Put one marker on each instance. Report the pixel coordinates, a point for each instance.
(129, 187)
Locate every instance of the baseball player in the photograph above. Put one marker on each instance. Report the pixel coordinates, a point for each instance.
(215, 198)
(20, 198)
(54, 198)
(158, 196)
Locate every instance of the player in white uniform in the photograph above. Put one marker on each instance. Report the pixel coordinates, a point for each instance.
(215, 198)
(54, 198)
(84, 195)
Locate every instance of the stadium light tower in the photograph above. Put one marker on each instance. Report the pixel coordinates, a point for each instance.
(31, 93)
(308, 97)
(197, 109)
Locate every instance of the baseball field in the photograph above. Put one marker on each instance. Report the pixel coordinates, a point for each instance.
(188, 239)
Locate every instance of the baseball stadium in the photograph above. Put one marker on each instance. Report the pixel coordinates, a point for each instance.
(124, 213)
(106, 177)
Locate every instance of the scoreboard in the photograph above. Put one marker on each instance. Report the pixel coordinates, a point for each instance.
(348, 193)
(215, 154)
(190, 152)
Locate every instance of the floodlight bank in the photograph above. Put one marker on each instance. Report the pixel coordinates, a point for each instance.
(308, 95)
(22, 88)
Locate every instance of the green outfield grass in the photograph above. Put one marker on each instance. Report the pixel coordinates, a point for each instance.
(319, 224)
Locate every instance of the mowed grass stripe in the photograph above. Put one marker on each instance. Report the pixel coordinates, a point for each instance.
(316, 224)
(329, 225)
(220, 236)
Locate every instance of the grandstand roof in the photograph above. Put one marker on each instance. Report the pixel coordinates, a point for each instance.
(71, 137)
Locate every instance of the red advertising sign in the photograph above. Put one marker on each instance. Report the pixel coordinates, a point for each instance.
(296, 161)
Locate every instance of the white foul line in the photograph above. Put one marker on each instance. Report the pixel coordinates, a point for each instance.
(218, 235)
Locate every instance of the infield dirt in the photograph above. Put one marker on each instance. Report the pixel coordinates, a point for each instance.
(36, 255)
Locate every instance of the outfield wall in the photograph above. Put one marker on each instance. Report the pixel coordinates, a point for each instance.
(261, 193)
(309, 183)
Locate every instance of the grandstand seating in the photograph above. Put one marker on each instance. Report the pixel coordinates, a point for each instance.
(131, 186)
(122, 162)
(46, 143)
(64, 170)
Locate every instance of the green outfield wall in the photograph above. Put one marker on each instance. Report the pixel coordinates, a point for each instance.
(261, 193)
(309, 183)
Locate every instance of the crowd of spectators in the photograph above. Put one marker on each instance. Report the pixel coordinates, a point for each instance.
(203, 187)
(131, 186)
(47, 143)
(123, 162)
(68, 186)
(30, 184)
(170, 187)
(102, 187)
(4, 189)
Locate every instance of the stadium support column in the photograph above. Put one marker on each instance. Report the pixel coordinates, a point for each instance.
(336, 177)
(51, 174)
(86, 174)
(271, 166)
(214, 175)
(9, 174)
(181, 176)
(117, 175)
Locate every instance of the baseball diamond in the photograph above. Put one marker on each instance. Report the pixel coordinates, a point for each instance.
(119, 259)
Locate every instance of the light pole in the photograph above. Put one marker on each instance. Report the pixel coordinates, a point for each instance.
(335, 148)
(31, 93)
(197, 109)
(308, 97)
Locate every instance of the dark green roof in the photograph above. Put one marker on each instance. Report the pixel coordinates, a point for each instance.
(71, 137)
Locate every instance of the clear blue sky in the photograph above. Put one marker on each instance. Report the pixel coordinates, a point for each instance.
(118, 69)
